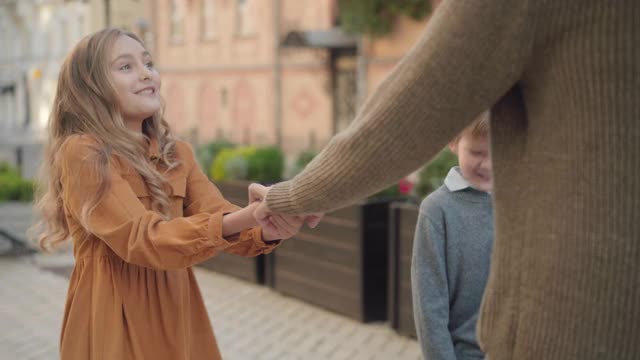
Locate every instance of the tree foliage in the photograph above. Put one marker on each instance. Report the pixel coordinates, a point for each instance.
(376, 17)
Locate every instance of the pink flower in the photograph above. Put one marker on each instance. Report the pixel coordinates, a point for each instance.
(405, 186)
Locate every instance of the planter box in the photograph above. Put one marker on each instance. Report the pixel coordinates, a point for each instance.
(341, 265)
(249, 269)
(403, 218)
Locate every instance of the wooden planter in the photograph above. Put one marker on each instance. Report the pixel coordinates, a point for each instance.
(249, 269)
(341, 265)
(403, 218)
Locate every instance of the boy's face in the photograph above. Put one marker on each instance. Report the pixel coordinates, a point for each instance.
(136, 80)
(475, 161)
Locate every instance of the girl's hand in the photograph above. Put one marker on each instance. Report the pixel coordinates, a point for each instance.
(259, 192)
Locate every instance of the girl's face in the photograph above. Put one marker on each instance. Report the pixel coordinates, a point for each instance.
(136, 80)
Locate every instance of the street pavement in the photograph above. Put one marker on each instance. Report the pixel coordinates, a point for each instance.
(250, 321)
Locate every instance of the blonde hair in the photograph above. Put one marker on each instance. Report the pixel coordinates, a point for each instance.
(85, 104)
(477, 129)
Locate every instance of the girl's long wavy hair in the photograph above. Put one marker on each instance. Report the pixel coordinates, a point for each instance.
(86, 104)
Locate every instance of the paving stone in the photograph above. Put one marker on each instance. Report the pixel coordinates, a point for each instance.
(251, 322)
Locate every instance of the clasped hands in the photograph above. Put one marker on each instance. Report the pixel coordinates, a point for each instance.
(275, 225)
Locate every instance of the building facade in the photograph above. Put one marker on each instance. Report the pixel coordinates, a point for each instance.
(249, 71)
(36, 36)
(226, 76)
(266, 71)
(130, 15)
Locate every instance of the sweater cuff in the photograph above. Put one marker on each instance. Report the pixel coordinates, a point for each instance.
(279, 199)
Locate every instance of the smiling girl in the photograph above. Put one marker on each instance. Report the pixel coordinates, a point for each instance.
(138, 209)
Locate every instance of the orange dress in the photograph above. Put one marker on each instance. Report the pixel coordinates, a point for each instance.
(132, 293)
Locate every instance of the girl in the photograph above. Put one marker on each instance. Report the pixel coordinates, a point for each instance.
(138, 209)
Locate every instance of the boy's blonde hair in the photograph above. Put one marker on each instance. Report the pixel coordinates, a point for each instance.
(479, 128)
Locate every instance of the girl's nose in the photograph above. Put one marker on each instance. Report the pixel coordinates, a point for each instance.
(145, 73)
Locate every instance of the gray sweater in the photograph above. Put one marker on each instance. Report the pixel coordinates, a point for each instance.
(450, 267)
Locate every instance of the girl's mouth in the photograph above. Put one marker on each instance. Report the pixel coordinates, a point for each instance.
(146, 91)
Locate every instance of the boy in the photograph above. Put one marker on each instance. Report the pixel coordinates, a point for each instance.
(452, 250)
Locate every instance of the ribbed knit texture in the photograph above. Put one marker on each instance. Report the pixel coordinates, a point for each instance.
(563, 81)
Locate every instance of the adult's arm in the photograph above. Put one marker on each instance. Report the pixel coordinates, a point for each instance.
(470, 54)
(202, 196)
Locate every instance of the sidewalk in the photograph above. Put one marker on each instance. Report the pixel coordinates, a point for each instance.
(271, 326)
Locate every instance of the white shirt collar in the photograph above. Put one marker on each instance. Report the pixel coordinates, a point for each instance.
(455, 181)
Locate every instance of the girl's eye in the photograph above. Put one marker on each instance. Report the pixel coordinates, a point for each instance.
(125, 67)
(149, 64)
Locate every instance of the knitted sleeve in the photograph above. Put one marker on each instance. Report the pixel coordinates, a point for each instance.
(470, 54)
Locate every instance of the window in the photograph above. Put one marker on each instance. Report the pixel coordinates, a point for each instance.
(65, 40)
(177, 20)
(244, 25)
(55, 38)
(208, 19)
(7, 105)
(81, 27)
(4, 37)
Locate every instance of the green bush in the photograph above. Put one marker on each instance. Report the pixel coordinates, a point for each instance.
(376, 17)
(5, 168)
(207, 153)
(12, 186)
(9, 184)
(25, 191)
(392, 191)
(303, 159)
(266, 165)
(216, 171)
(432, 175)
(231, 164)
(430, 178)
(236, 168)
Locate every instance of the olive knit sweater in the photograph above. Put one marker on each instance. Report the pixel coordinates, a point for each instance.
(563, 81)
